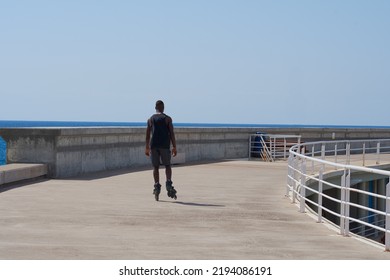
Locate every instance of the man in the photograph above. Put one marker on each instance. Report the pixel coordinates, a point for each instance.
(158, 148)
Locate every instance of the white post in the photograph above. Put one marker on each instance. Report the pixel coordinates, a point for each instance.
(364, 154)
(347, 199)
(288, 176)
(320, 184)
(294, 194)
(312, 155)
(378, 152)
(335, 154)
(249, 148)
(348, 153)
(303, 187)
(323, 152)
(274, 149)
(387, 233)
(320, 177)
(342, 204)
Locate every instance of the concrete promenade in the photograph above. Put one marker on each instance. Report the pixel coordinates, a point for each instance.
(226, 210)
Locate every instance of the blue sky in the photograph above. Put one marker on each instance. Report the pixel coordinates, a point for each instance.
(270, 62)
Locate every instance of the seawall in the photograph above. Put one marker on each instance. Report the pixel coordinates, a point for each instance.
(74, 151)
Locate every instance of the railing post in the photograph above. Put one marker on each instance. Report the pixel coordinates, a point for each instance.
(335, 154)
(387, 227)
(274, 149)
(303, 188)
(285, 147)
(320, 186)
(295, 187)
(347, 200)
(320, 177)
(342, 204)
(323, 151)
(378, 152)
(364, 153)
(348, 152)
(289, 174)
(312, 162)
(250, 147)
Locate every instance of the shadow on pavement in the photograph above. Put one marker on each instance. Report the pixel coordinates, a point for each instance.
(195, 204)
(23, 183)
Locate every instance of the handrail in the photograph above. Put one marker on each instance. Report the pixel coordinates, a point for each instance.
(310, 187)
(265, 153)
(346, 166)
(271, 147)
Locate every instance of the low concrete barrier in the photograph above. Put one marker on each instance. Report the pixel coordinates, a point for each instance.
(74, 151)
(15, 172)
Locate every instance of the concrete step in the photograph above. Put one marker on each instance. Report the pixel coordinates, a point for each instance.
(15, 172)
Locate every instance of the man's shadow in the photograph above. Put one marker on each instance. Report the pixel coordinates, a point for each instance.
(194, 204)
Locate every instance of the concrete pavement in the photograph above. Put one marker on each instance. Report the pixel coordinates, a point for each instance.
(225, 210)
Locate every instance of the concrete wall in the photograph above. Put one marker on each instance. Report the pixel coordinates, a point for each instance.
(74, 151)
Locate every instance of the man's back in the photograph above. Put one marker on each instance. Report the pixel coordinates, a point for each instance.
(159, 124)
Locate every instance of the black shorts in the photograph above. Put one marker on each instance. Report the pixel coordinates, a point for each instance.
(161, 156)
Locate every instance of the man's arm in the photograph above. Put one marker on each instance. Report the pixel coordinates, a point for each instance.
(172, 135)
(147, 139)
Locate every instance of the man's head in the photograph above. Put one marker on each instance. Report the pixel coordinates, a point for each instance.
(160, 106)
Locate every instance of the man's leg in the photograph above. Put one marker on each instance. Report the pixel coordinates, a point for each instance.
(171, 190)
(156, 175)
(155, 156)
(166, 160)
(168, 172)
(157, 186)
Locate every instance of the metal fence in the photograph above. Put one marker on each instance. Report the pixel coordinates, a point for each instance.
(270, 147)
(324, 178)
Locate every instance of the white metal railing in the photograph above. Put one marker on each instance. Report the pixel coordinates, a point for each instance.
(362, 230)
(316, 168)
(270, 147)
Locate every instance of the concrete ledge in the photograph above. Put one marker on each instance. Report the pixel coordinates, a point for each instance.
(71, 152)
(21, 171)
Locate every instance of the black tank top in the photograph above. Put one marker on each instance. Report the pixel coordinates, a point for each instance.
(160, 132)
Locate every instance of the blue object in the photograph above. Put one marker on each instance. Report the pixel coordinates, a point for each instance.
(257, 145)
(3, 152)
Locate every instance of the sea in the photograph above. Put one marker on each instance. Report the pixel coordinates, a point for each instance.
(20, 124)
